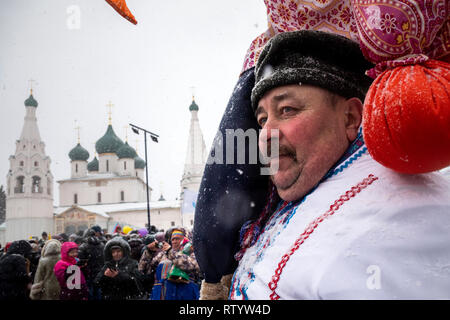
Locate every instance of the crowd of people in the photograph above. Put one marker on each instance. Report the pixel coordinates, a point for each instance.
(95, 265)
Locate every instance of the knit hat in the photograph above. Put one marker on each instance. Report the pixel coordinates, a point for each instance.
(318, 58)
(177, 232)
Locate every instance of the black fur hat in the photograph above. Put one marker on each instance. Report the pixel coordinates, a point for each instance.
(318, 58)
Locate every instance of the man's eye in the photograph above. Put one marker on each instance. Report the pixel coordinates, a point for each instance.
(262, 121)
(286, 109)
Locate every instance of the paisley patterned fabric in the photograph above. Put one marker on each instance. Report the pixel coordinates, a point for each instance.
(401, 32)
(391, 32)
(291, 15)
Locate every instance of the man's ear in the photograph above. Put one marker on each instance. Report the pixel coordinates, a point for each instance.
(353, 117)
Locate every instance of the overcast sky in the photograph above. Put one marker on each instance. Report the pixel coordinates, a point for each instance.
(83, 54)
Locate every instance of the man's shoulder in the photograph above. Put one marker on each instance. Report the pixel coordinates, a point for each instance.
(394, 186)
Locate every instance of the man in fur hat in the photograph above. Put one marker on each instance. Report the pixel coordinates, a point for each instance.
(337, 224)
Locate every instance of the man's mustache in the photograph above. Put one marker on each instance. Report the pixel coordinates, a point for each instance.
(282, 151)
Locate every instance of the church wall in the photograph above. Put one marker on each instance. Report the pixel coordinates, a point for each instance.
(126, 170)
(3, 236)
(107, 162)
(23, 228)
(140, 173)
(163, 218)
(78, 169)
(110, 189)
(35, 207)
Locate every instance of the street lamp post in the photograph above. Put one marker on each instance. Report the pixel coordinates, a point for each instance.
(154, 137)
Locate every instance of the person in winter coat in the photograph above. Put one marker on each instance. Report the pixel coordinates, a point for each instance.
(15, 280)
(172, 256)
(136, 245)
(46, 286)
(70, 276)
(35, 256)
(119, 279)
(91, 255)
(150, 250)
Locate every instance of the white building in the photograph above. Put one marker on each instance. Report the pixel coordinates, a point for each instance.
(110, 190)
(29, 192)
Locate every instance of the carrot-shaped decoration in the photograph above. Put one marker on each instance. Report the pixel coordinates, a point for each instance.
(121, 7)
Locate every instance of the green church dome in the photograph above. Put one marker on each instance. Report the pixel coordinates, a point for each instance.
(31, 102)
(78, 153)
(139, 163)
(126, 151)
(193, 106)
(93, 165)
(109, 143)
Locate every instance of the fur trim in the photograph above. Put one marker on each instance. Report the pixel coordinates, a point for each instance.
(36, 291)
(213, 291)
(216, 291)
(226, 282)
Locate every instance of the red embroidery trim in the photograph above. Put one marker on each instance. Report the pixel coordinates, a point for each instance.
(312, 226)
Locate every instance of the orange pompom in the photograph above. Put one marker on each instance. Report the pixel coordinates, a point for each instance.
(121, 7)
(406, 118)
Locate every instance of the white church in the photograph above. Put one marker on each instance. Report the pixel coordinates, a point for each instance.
(107, 191)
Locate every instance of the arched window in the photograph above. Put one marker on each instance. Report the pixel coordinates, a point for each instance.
(99, 197)
(122, 196)
(107, 165)
(19, 188)
(36, 185)
(21, 163)
(36, 164)
(124, 165)
(75, 198)
(76, 167)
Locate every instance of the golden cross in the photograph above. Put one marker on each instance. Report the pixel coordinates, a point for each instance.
(31, 85)
(193, 92)
(137, 142)
(78, 130)
(109, 105)
(95, 151)
(126, 133)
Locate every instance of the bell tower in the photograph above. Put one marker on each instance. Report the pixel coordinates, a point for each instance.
(29, 194)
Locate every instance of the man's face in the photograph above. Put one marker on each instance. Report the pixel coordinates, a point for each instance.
(117, 254)
(312, 135)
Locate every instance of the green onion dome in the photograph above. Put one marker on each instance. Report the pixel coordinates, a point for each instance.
(109, 143)
(139, 163)
(93, 165)
(193, 106)
(31, 102)
(78, 153)
(126, 151)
